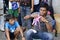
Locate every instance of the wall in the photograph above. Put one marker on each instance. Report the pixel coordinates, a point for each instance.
(56, 5)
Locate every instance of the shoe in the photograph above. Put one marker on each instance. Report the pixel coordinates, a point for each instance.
(2, 30)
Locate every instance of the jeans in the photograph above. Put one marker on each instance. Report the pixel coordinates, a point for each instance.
(36, 8)
(54, 24)
(30, 35)
(25, 11)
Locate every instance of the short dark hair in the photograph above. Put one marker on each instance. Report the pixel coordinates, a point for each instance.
(45, 5)
(9, 16)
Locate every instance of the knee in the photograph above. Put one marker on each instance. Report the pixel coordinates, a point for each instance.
(50, 37)
(17, 31)
(53, 24)
(28, 33)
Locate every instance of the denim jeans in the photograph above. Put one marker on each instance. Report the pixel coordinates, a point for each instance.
(30, 35)
(25, 11)
(36, 8)
(54, 24)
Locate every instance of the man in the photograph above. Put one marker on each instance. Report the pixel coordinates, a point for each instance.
(26, 7)
(42, 30)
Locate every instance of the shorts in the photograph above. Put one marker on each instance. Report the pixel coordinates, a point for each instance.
(13, 12)
(11, 35)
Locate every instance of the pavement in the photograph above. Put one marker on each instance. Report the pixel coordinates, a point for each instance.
(2, 37)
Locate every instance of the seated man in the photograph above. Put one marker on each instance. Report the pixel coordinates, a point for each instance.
(43, 27)
(12, 28)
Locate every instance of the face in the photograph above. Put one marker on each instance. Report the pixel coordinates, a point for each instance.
(43, 11)
(11, 21)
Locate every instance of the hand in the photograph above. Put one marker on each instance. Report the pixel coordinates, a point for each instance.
(27, 17)
(8, 39)
(34, 15)
(31, 9)
(54, 31)
(23, 38)
(44, 20)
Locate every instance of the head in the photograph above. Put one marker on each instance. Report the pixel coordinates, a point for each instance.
(43, 9)
(11, 19)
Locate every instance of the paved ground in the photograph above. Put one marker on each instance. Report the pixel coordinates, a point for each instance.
(2, 37)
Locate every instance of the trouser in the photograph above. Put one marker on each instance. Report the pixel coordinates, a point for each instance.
(25, 10)
(30, 35)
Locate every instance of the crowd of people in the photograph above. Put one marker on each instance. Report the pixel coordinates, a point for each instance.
(34, 17)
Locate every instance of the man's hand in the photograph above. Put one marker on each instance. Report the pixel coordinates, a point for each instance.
(48, 25)
(34, 15)
(44, 20)
(54, 31)
(23, 38)
(27, 17)
(31, 9)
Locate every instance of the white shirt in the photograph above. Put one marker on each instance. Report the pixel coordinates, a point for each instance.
(10, 5)
(36, 2)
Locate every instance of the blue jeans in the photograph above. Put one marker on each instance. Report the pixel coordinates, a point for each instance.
(30, 35)
(36, 8)
(25, 11)
(54, 24)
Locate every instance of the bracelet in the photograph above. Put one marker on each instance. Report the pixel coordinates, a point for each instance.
(23, 37)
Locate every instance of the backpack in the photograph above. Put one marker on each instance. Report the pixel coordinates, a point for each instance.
(14, 5)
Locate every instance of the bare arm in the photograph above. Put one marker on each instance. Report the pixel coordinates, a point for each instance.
(19, 6)
(31, 16)
(7, 34)
(32, 5)
(48, 25)
(22, 35)
(21, 31)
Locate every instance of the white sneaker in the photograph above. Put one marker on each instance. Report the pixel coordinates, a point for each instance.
(2, 30)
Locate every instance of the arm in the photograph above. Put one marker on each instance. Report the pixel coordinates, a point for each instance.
(18, 6)
(31, 16)
(48, 25)
(20, 30)
(32, 5)
(22, 35)
(7, 34)
(7, 31)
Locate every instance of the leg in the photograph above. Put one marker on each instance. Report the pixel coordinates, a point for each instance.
(29, 34)
(15, 13)
(23, 14)
(16, 33)
(47, 36)
(43, 36)
(54, 24)
(54, 27)
(28, 22)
